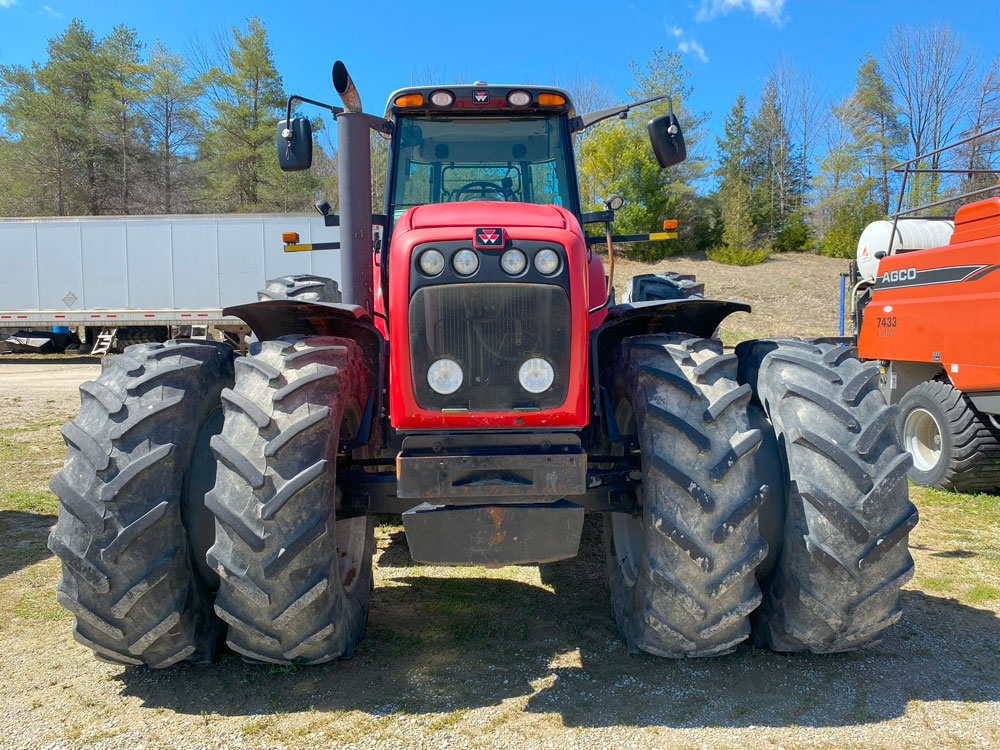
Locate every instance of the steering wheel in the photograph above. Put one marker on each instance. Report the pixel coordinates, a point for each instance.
(479, 189)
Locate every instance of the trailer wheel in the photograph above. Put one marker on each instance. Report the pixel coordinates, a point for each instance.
(953, 446)
(130, 493)
(303, 287)
(294, 579)
(681, 572)
(844, 556)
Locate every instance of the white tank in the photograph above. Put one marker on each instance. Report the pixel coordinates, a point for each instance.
(911, 234)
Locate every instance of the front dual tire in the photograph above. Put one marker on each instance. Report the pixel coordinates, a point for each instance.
(193, 496)
(783, 462)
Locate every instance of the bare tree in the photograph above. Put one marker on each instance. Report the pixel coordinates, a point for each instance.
(588, 92)
(984, 114)
(809, 114)
(932, 70)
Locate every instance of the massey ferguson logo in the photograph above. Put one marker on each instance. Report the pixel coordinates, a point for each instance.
(488, 237)
(481, 97)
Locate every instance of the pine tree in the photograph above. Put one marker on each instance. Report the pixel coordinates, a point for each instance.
(171, 116)
(873, 118)
(118, 103)
(242, 171)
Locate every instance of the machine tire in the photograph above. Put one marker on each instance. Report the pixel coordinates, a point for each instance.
(128, 568)
(303, 287)
(969, 459)
(662, 286)
(844, 556)
(682, 575)
(294, 580)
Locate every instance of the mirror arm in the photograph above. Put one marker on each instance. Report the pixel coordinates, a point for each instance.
(378, 124)
(591, 118)
(296, 98)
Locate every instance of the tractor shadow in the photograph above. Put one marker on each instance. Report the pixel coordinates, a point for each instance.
(437, 645)
(23, 537)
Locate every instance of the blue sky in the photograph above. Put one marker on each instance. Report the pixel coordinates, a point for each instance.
(726, 44)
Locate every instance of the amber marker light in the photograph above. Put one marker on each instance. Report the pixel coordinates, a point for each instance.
(290, 238)
(409, 100)
(670, 223)
(549, 100)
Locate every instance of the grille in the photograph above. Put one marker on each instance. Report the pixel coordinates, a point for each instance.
(490, 330)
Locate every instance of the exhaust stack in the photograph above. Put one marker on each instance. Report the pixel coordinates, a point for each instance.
(354, 175)
(345, 87)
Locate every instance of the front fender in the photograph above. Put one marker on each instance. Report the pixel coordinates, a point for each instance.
(697, 316)
(271, 319)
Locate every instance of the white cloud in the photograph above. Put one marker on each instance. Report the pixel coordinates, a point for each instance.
(50, 12)
(7, 3)
(686, 43)
(691, 46)
(773, 9)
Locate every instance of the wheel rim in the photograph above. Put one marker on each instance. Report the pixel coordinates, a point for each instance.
(627, 532)
(922, 439)
(351, 536)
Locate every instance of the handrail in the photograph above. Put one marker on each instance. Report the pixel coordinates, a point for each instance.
(962, 142)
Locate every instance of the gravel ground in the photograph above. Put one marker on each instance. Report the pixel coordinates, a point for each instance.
(518, 657)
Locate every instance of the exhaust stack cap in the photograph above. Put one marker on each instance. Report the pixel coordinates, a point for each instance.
(345, 87)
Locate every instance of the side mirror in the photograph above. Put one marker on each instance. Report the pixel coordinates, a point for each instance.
(295, 144)
(667, 140)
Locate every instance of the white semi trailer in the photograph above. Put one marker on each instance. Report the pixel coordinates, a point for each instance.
(153, 273)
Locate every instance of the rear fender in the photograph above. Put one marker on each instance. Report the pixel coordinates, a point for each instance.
(271, 319)
(700, 317)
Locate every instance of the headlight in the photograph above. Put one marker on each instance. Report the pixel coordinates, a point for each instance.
(546, 261)
(431, 262)
(466, 262)
(513, 262)
(536, 375)
(445, 376)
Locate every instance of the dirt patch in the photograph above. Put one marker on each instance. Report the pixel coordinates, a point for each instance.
(793, 294)
(524, 656)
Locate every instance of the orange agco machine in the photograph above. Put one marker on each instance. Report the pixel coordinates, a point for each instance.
(926, 304)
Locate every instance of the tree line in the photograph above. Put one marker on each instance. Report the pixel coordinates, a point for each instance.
(109, 126)
(112, 126)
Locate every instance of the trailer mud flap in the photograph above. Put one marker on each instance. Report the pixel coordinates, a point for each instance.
(493, 535)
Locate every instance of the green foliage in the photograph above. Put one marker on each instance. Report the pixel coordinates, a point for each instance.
(850, 215)
(172, 121)
(107, 126)
(246, 100)
(732, 256)
(615, 157)
(793, 236)
(738, 246)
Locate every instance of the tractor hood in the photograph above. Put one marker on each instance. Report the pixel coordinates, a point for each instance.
(485, 214)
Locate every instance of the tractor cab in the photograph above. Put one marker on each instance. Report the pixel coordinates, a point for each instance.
(481, 143)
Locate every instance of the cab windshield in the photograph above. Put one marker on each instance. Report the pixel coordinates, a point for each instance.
(451, 159)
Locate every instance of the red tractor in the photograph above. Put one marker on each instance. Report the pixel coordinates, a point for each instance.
(478, 378)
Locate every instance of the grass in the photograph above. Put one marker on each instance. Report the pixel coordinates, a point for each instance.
(40, 606)
(29, 501)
